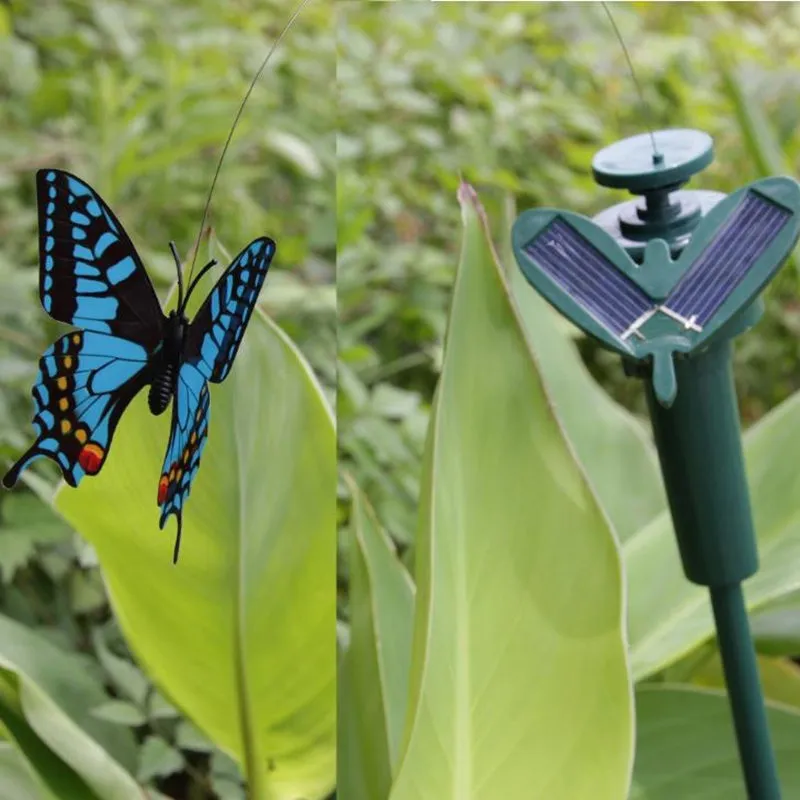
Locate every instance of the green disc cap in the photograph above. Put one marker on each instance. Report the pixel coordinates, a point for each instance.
(633, 165)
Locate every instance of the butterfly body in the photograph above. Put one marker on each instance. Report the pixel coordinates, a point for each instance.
(92, 278)
(166, 363)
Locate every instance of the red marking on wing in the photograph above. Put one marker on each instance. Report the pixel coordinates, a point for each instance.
(91, 458)
(163, 486)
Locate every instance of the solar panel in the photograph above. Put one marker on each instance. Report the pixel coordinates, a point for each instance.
(587, 276)
(726, 260)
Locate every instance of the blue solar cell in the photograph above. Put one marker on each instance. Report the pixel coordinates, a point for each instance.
(587, 276)
(723, 264)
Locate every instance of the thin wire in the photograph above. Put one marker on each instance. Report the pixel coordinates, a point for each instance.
(633, 73)
(249, 91)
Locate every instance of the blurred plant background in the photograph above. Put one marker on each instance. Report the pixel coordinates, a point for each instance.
(137, 98)
(518, 97)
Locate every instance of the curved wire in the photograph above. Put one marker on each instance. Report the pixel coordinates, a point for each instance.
(249, 91)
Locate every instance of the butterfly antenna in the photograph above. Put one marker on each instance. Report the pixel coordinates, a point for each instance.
(177, 258)
(194, 283)
(249, 91)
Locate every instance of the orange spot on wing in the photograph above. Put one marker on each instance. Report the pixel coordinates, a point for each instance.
(61, 383)
(91, 458)
(163, 485)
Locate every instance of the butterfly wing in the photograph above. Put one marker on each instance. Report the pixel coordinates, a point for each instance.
(211, 344)
(187, 439)
(213, 338)
(86, 380)
(90, 274)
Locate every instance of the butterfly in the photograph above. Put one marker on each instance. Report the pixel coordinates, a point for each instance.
(91, 277)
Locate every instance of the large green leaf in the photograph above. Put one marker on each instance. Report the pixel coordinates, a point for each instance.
(685, 747)
(379, 656)
(46, 698)
(351, 757)
(240, 634)
(613, 446)
(519, 665)
(668, 616)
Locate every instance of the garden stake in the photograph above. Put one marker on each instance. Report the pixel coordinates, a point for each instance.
(667, 280)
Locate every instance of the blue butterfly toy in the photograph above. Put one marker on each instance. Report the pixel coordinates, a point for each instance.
(91, 277)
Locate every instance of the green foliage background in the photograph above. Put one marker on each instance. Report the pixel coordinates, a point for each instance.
(137, 99)
(518, 97)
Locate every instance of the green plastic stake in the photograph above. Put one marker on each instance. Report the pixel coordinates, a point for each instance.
(667, 281)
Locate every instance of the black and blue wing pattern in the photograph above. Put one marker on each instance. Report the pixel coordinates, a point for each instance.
(85, 382)
(212, 342)
(187, 439)
(217, 329)
(90, 277)
(90, 274)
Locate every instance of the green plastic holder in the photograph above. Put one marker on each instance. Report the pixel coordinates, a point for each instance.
(653, 242)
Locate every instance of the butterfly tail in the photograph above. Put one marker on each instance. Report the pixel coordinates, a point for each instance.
(12, 476)
(29, 456)
(175, 552)
(178, 513)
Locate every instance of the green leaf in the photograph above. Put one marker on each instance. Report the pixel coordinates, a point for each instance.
(519, 662)
(86, 591)
(189, 737)
(294, 150)
(240, 634)
(157, 759)
(668, 616)
(27, 522)
(685, 746)
(160, 708)
(120, 712)
(780, 678)
(227, 789)
(776, 626)
(45, 703)
(613, 446)
(224, 766)
(353, 758)
(55, 778)
(126, 677)
(16, 780)
(379, 656)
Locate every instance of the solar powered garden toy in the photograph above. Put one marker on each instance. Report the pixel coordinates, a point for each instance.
(667, 280)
